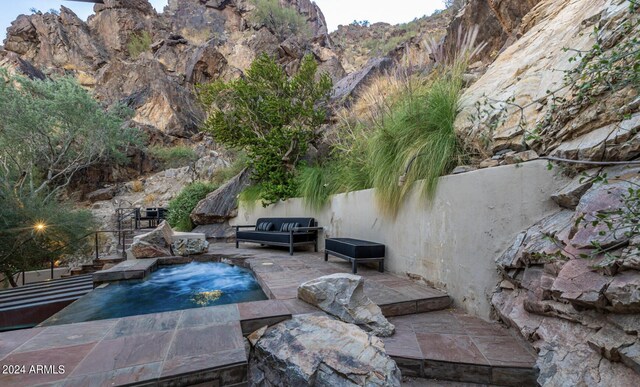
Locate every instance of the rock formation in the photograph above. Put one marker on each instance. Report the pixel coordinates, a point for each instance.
(342, 295)
(500, 24)
(192, 42)
(311, 350)
(156, 243)
(211, 215)
(581, 314)
(526, 101)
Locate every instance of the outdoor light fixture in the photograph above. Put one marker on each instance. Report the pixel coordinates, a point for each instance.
(39, 227)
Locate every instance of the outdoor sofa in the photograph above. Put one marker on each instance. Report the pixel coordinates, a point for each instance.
(288, 232)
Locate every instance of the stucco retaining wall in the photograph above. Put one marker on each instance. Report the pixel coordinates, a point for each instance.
(452, 241)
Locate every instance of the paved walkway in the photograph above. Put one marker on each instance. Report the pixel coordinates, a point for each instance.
(280, 274)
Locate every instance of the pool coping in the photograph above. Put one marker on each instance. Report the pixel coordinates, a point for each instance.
(184, 347)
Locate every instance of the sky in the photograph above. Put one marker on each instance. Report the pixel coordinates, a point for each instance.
(335, 11)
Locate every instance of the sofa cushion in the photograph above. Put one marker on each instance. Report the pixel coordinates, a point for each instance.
(265, 226)
(286, 227)
(275, 236)
(277, 222)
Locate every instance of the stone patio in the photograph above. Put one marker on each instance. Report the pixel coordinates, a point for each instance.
(206, 344)
(171, 348)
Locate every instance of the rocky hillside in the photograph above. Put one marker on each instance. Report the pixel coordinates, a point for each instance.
(128, 53)
(356, 44)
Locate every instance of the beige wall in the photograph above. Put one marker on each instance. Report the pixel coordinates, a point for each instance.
(451, 242)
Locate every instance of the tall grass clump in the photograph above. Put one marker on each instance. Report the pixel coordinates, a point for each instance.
(420, 127)
(404, 123)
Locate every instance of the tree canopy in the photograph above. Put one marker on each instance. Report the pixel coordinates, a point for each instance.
(50, 130)
(272, 116)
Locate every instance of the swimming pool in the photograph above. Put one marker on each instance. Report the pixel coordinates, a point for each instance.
(193, 285)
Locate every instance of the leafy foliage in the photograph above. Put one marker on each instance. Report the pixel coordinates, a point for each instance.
(271, 117)
(52, 129)
(175, 156)
(282, 20)
(23, 247)
(139, 43)
(181, 206)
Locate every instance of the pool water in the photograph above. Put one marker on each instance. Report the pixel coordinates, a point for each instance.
(194, 285)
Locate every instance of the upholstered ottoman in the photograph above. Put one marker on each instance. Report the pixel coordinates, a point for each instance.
(355, 250)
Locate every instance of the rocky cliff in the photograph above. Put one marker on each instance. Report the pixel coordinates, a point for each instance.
(191, 42)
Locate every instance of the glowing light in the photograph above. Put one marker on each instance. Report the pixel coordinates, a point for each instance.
(39, 227)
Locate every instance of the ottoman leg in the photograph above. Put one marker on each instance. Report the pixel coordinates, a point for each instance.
(381, 266)
(326, 256)
(237, 244)
(354, 266)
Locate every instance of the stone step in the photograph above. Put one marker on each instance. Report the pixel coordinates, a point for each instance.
(448, 345)
(109, 259)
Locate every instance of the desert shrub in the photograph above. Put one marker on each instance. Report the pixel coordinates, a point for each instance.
(406, 117)
(270, 116)
(139, 43)
(421, 126)
(181, 206)
(282, 20)
(175, 156)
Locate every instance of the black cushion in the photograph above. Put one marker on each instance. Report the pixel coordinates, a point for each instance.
(265, 226)
(355, 248)
(277, 222)
(286, 227)
(275, 236)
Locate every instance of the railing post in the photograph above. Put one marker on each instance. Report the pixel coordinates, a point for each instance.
(51, 267)
(97, 254)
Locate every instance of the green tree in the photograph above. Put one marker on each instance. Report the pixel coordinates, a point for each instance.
(52, 129)
(272, 117)
(34, 232)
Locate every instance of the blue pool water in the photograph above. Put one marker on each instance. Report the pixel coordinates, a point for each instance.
(193, 285)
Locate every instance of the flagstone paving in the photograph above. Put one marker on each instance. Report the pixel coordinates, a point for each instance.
(206, 344)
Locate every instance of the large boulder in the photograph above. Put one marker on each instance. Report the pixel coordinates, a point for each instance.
(62, 42)
(342, 295)
(499, 22)
(346, 89)
(189, 243)
(221, 204)
(513, 96)
(312, 350)
(156, 243)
